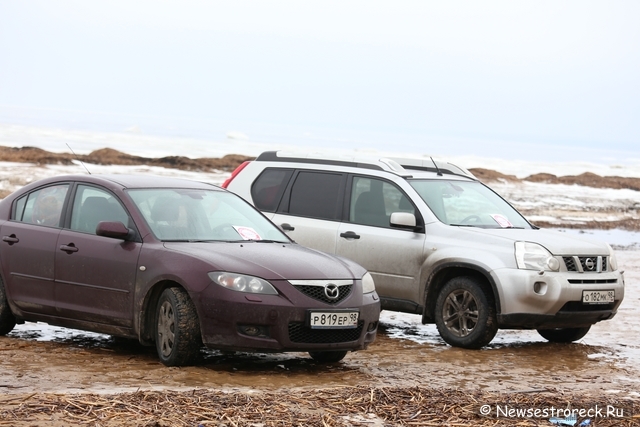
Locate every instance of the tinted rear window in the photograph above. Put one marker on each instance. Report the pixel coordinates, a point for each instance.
(268, 188)
(316, 195)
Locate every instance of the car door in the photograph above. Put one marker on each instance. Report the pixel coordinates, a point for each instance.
(311, 209)
(28, 246)
(393, 256)
(95, 275)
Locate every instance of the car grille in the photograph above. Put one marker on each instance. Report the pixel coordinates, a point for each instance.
(592, 281)
(317, 293)
(300, 333)
(586, 264)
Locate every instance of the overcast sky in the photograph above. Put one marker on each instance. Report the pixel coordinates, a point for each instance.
(526, 73)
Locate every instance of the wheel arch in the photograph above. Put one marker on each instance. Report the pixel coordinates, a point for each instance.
(445, 272)
(148, 312)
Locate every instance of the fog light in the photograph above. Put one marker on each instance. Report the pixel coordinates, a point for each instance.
(540, 288)
(254, 330)
(372, 326)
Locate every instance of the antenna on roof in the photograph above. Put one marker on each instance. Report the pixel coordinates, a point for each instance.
(436, 165)
(78, 159)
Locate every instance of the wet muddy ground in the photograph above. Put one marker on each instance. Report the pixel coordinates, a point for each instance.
(38, 358)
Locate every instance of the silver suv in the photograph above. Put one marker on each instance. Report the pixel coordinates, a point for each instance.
(439, 243)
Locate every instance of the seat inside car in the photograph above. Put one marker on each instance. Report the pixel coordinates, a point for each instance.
(170, 218)
(93, 211)
(370, 210)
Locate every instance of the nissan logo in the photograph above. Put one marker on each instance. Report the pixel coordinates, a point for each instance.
(332, 291)
(590, 264)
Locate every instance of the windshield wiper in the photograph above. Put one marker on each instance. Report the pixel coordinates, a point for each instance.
(487, 227)
(209, 241)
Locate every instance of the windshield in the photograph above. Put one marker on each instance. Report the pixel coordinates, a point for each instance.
(202, 215)
(468, 203)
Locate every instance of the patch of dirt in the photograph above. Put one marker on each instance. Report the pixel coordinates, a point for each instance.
(586, 179)
(346, 406)
(488, 175)
(108, 156)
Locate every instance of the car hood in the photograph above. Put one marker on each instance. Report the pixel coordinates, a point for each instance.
(270, 261)
(556, 242)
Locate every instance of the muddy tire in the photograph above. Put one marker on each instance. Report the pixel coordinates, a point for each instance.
(7, 319)
(327, 356)
(563, 334)
(465, 314)
(178, 338)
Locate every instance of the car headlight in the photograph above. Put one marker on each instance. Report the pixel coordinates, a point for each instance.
(367, 284)
(242, 283)
(532, 256)
(613, 262)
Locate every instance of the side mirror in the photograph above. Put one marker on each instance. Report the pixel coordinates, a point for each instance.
(403, 220)
(114, 229)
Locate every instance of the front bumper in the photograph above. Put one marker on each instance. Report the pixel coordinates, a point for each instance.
(530, 300)
(278, 323)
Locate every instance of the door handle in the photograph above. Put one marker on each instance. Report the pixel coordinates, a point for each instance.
(350, 235)
(287, 227)
(69, 248)
(10, 239)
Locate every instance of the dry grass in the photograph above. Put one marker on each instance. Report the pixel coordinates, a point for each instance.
(347, 406)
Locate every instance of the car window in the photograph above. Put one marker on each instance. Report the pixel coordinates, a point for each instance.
(316, 195)
(465, 203)
(374, 200)
(202, 215)
(43, 206)
(93, 205)
(268, 188)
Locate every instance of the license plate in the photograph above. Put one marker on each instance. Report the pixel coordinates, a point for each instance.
(598, 297)
(333, 319)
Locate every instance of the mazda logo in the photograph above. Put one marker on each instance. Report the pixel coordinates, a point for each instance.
(590, 264)
(332, 291)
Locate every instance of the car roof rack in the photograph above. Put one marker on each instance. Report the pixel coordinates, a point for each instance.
(431, 165)
(399, 166)
(324, 159)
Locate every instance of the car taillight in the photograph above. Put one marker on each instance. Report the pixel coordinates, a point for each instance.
(226, 183)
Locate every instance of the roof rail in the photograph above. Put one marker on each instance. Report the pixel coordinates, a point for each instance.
(323, 159)
(398, 166)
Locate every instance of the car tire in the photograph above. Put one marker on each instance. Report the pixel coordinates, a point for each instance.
(465, 315)
(327, 356)
(7, 319)
(564, 334)
(178, 339)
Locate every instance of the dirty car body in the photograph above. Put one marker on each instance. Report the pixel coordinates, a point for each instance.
(176, 263)
(438, 242)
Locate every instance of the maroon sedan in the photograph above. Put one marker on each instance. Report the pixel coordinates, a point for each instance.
(177, 263)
